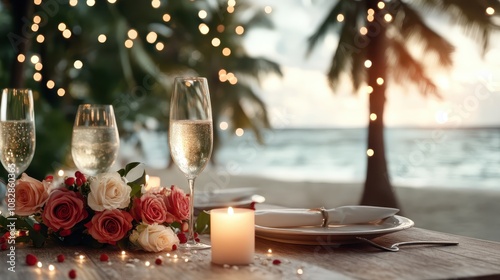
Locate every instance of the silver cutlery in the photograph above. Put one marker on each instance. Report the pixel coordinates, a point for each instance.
(395, 247)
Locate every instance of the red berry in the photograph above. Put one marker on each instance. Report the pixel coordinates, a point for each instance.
(72, 274)
(49, 178)
(182, 238)
(104, 258)
(31, 259)
(22, 233)
(2, 240)
(197, 239)
(37, 227)
(69, 181)
(195, 235)
(174, 247)
(252, 205)
(60, 258)
(78, 174)
(3, 247)
(79, 182)
(158, 261)
(276, 262)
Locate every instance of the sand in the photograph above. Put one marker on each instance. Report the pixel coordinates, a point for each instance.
(467, 212)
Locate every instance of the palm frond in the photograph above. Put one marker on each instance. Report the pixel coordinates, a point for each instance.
(405, 68)
(412, 25)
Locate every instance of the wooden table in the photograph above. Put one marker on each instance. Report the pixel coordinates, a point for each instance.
(472, 258)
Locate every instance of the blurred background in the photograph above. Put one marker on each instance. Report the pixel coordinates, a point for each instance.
(293, 83)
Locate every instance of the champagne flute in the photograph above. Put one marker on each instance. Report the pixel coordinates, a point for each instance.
(17, 130)
(191, 136)
(95, 141)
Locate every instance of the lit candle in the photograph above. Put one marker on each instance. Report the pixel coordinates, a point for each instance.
(232, 235)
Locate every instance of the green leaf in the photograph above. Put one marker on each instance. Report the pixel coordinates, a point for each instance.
(124, 171)
(137, 185)
(203, 223)
(38, 237)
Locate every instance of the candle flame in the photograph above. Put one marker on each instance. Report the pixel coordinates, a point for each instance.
(230, 211)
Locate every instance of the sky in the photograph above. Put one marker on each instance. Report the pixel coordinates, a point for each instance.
(302, 98)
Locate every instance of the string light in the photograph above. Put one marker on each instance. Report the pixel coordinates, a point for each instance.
(132, 34)
(371, 11)
(37, 19)
(101, 38)
(373, 116)
(155, 4)
(40, 38)
(37, 77)
(239, 30)
(239, 132)
(61, 26)
(38, 66)
(34, 27)
(202, 14)
(226, 51)
(368, 63)
(363, 30)
(35, 59)
(166, 17)
(223, 125)
(90, 3)
(370, 18)
(73, 3)
(111, 1)
(50, 84)
(268, 9)
(380, 81)
(340, 17)
(231, 3)
(78, 64)
(151, 37)
(220, 28)
(21, 58)
(300, 271)
(230, 9)
(381, 5)
(61, 92)
(370, 152)
(60, 173)
(215, 42)
(160, 46)
(51, 267)
(369, 89)
(37, 2)
(39, 264)
(203, 28)
(66, 33)
(388, 17)
(129, 43)
(490, 11)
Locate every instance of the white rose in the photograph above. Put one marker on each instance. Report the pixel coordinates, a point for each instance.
(108, 191)
(154, 238)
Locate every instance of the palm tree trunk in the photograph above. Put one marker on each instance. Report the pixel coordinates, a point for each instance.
(377, 190)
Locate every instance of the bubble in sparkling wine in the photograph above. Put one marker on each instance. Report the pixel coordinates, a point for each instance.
(17, 142)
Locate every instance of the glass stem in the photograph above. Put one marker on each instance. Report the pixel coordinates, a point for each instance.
(191, 212)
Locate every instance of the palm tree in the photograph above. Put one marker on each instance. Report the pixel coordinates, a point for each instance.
(375, 47)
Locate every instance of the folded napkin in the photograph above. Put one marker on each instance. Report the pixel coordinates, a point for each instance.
(307, 217)
(223, 195)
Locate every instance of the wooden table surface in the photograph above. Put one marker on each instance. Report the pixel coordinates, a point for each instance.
(472, 258)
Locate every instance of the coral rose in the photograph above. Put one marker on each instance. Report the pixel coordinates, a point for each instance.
(150, 208)
(177, 204)
(64, 209)
(108, 191)
(31, 195)
(154, 238)
(109, 226)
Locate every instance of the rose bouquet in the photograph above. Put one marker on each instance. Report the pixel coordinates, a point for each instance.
(98, 210)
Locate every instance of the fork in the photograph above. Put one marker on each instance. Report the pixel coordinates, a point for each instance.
(395, 247)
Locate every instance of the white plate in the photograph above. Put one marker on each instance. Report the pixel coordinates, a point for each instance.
(333, 235)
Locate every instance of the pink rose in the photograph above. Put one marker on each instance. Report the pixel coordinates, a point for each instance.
(177, 204)
(31, 194)
(109, 226)
(150, 208)
(64, 209)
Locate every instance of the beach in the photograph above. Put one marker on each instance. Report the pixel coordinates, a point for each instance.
(463, 211)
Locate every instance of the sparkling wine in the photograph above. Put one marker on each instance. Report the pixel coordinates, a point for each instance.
(191, 145)
(17, 143)
(94, 149)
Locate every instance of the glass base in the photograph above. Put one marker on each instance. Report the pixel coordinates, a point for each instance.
(194, 246)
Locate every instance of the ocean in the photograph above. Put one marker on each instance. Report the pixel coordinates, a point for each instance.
(448, 158)
(445, 158)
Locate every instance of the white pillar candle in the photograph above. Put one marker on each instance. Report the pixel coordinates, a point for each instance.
(232, 236)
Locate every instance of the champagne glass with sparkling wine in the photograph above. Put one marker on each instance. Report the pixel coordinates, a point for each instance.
(95, 141)
(17, 130)
(191, 136)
